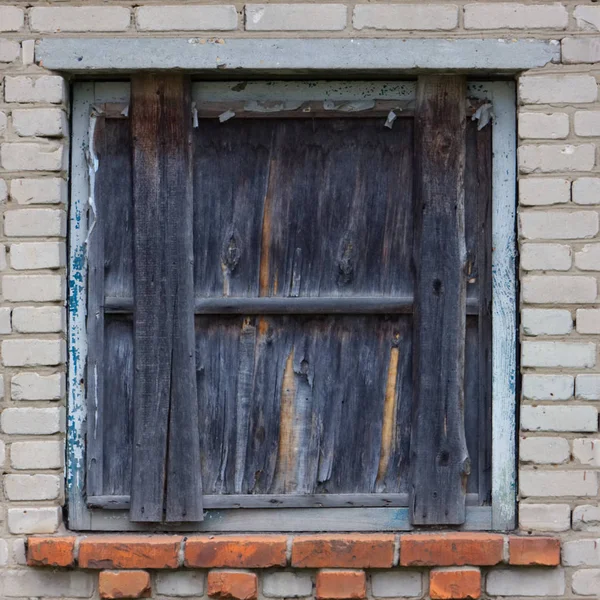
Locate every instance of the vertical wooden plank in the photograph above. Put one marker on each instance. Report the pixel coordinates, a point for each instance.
(166, 482)
(439, 458)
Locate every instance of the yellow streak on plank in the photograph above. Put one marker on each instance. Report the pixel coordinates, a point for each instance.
(389, 415)
(265, 248)
(286, 453)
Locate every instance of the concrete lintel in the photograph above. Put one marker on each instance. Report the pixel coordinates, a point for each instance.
(251, 54)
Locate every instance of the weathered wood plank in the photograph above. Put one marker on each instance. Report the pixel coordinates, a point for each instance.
(166, 481)
(439, 457)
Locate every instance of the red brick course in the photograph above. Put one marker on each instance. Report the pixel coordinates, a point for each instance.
(51, 551)
(232, 585)
(124, 584)
(455, 584)
(341, 585)
(530, 551)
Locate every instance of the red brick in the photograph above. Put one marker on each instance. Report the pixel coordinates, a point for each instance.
(240, 552)
(232, 585)
(543, 551)
(124, 584)
(51, 551)
(455, 584)
(130, 552)
(451, 549)
(341, 585)
(349, 551)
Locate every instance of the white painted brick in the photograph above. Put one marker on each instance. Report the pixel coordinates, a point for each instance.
(49, 190)
(557, 89)
(30, 156)
(11, 18)
(551, 289)
(586, 582)
(546, 257)
(5, 326)
(9, 51)
(3, 189)
(544, 450)
(44, 122)
(546, 321)
(526, 582)
(48, 583)
(33, 386)
(417, 17)
(3, 126)
(32, 421)
(587, 123)
(37, 455)
(540, 191)
(79, 18)
(296, 17)
(548, 159)
(588, 258)
(587, 17)
(586, 518)
(37, 255)
(33, 288)
(45, 319)
(558, 224)
(548, 387)
(23, 88)
(31, 352)
(545, 517)
(537, 125)
(187, 18)
(30, 520)
(2, 456)
(3, 553)
(586, 190)
(32, 487)
(558, 483)
(558, 354)
(559, 418)
(395, 584)
(27, 52)
(184, 584)
(587, 451)
(3, 257)
(588, 320)
(35, 222)
(510, 15)
(587, 387)
(581, 552)
(18, 552)
(288, 585)
(580, 50)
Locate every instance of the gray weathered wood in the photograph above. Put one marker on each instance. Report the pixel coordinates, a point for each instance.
(438, 453)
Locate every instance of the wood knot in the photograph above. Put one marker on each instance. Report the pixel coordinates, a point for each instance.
(231, 254)
(346, 263)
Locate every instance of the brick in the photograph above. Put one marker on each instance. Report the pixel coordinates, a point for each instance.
(27, 52)
(287, 585)
(29, 156)
(544, 450)
(546, 321)
(395, 584)
(37, 255)
(581, 553)
(550, 289)
(33, 288)
(30, 352)
(587, 17)
(181, 584)
(587, 451)
(45, 319)
(588, 319)
(37, 454)
(588, 258)
(341, 585)
(558, 224)
(3, 184)
(32, 487)
(537, 125)
(450, 549)
(43, 122)
(32, 421)
(449, 584)
(534, 551)
(558, 484)
(187, 18)
(49, 190)
(580, 50)
(546, 257)
(587, 123)
(79, 18)
(18, 553)
(557, 89)
(51, 551)
(587, 387)
(31, 520)
(375, 551)
(544, 517)
(46, 583)
(5, 325)
(33, 386)
(35, 222)
(586, 582)
(558, 354)
(586, 190)
(232, 585)
(526, 582)
(559, 418)
(9, 51)
(510, 15)
(295, 17)
(24, 89)
(11, 18)
(124, 584)
(586, 518)
(248, 552)
(551, 158)
(416, 17)
(130, 552)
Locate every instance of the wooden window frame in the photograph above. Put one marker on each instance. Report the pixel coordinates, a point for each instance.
(499, 516)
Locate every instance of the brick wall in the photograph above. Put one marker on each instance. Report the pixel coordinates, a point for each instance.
(559, 205)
